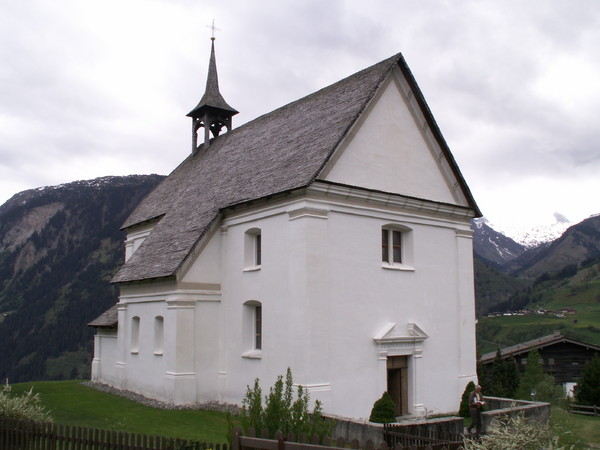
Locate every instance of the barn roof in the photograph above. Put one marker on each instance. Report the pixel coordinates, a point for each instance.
(535, 344)
(277, 152)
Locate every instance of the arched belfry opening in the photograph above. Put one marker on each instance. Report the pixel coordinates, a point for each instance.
(212, 112)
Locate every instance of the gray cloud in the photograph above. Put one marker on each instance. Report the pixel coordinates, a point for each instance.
(97, 88)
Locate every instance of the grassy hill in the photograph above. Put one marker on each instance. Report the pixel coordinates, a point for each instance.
(71, 402)
(577, 288)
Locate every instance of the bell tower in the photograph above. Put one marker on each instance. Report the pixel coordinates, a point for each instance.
(212, 112)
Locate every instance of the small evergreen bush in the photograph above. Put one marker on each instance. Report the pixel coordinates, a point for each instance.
(384, 410)
(281, 412)
(26, 406)
(464, 410)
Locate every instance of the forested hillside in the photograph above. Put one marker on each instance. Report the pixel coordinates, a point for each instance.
(59, 247)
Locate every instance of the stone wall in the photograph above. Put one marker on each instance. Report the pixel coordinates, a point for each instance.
(364, 430)
(506, 407)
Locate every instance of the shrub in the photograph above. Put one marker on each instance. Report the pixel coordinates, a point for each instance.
(514, 432)
(26, 406)
(464, 410)
(281, 412)
(587, 390)
(384, 410)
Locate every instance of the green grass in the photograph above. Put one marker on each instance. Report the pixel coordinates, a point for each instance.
(70, 402)
(498, 332)
(575, 430)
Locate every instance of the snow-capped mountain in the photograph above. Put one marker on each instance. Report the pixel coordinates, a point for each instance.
(492, 246)
(535, 236)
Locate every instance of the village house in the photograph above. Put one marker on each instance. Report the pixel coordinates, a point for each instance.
(331, 236)
(562, 357)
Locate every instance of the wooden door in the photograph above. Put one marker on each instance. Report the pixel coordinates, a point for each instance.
(397, 382)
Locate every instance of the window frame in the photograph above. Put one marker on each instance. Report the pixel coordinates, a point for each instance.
(252, 329)
(159, 335)
(396, 247)
(252, 250)
(135, 334)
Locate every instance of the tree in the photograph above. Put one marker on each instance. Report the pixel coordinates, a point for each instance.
(533, 375)
(281, 412)
(464, 411)
(384, 410)
(587, 390)
(502, 379)
(534, 380)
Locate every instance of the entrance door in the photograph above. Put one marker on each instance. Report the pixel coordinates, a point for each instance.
(397, 382)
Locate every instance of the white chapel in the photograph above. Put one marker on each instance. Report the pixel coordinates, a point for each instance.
(331, 236)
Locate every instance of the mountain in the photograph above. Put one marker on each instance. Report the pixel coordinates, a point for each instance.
(59, 247)
(578, 244)
(538, 235)
(493, 247)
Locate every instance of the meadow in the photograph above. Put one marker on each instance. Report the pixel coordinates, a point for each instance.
(71, 402)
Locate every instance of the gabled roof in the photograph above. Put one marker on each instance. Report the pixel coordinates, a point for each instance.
(526, 347)
(108, 319)
(278, 152)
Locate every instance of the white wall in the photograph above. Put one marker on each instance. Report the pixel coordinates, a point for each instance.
(325, 295)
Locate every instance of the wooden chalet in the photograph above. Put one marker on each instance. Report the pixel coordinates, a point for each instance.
(563, 357)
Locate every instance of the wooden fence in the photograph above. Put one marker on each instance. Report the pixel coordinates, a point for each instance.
(26, 435)
(303, 442)
(396, 434)
(583, 409)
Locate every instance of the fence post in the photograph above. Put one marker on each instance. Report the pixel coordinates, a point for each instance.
(235, 438)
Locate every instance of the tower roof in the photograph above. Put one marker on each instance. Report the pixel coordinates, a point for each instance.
(212, 98)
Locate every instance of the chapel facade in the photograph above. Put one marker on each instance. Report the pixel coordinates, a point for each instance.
(331, 236)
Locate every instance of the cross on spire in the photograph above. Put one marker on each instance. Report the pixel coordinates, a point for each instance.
(213, 29)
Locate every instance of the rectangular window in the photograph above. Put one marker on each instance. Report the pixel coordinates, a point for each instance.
(258, 327)
(391, 253)
(257, 244)
(397, 246)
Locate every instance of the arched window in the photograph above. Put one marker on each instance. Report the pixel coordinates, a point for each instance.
(252, 329)
(135, 334)
(253, 249)
(159, 324)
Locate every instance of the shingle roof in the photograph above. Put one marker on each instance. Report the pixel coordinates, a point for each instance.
(525, 347)
(277, 152)
(108, 319)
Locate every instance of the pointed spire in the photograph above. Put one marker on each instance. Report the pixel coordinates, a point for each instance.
(212, 112)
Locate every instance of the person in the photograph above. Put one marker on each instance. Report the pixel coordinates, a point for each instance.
(475, 404)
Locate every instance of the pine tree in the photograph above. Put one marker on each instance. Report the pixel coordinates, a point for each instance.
(587, 391)
(533, 375)
(512, 376)
(464, 401)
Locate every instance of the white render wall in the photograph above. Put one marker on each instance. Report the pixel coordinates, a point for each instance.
(325, 295)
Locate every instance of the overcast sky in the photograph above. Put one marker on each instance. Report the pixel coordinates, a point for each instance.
(101, 87)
